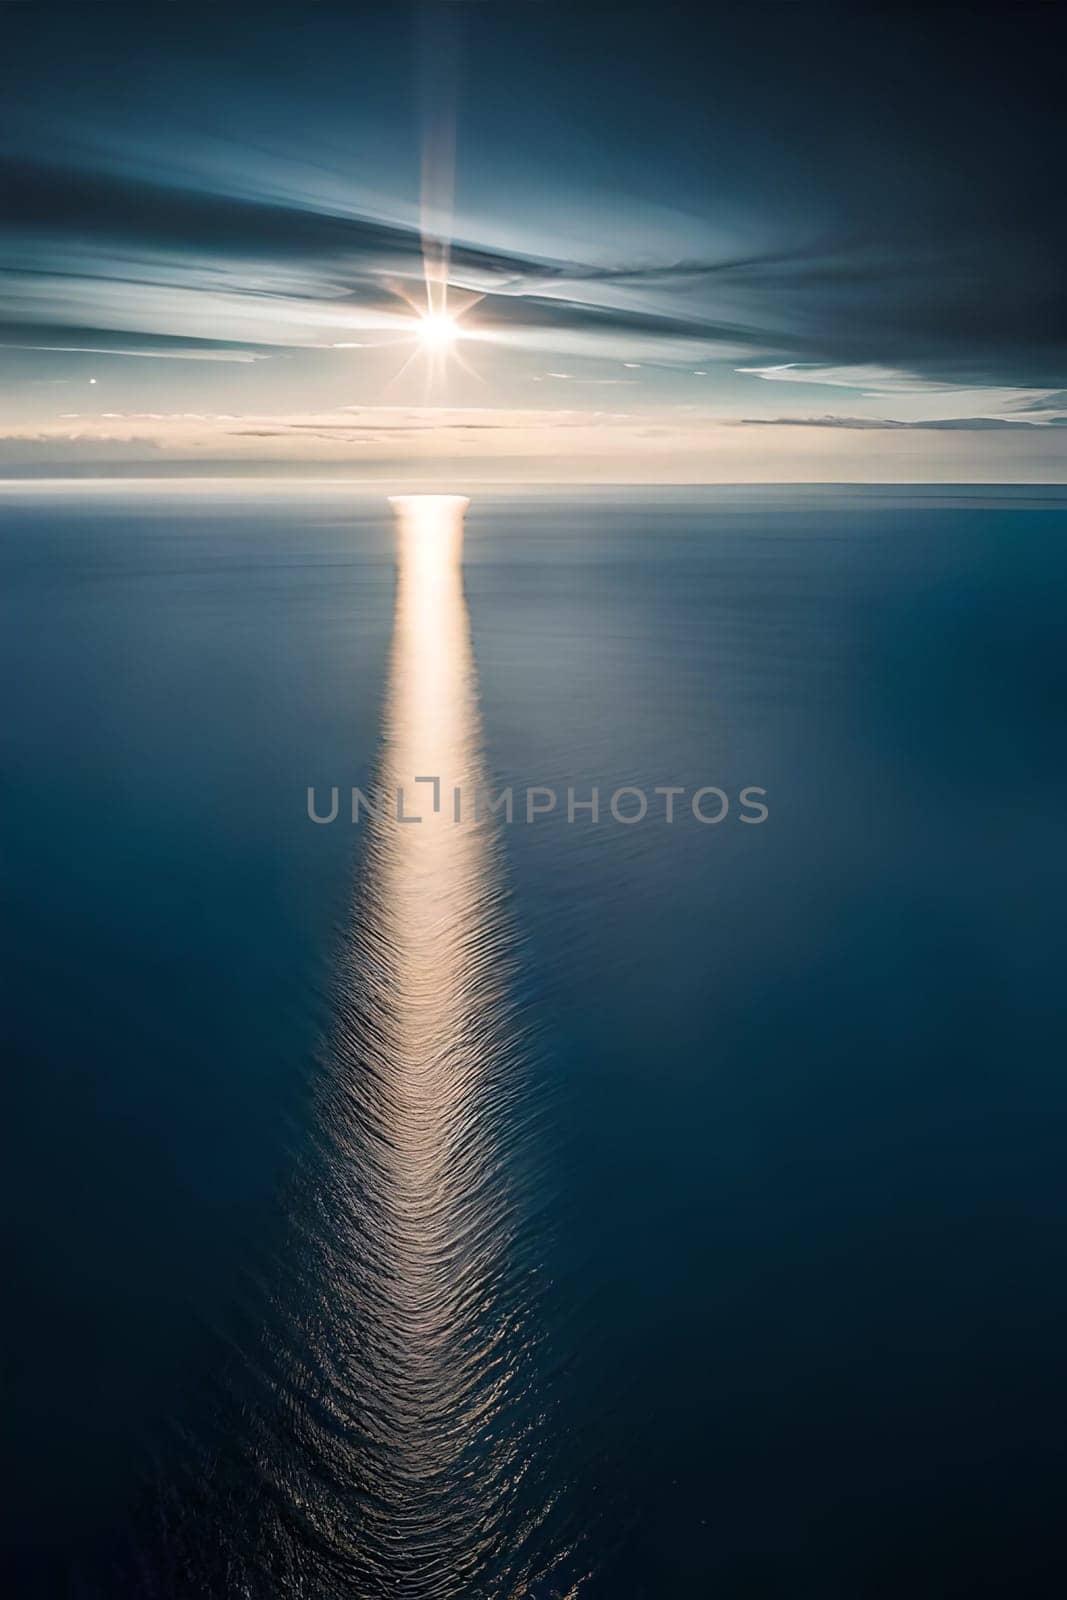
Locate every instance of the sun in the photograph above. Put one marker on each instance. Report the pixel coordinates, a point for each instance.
(437, 330)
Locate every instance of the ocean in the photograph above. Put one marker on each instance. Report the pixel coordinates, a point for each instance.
(553, 1206)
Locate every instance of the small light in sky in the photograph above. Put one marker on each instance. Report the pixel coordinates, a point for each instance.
(92, 380)
(699, 374)
(633, 365)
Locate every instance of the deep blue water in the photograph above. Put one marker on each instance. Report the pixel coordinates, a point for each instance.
(799, 1229)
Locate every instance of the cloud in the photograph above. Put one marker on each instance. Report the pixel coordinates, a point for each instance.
(17, 335)
(556, 444)
(904, 399)
(949, 424)
(870, 378)
(26, 449)
(113, 262)
(191, 354)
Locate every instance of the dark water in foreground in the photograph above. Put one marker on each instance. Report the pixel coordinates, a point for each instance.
(720, 1249)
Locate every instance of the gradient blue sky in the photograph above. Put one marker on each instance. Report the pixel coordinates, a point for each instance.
(686, 244)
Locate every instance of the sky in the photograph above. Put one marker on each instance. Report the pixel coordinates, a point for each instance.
(675, 244)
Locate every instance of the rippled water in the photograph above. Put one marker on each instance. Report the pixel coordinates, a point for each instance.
(406, 1352)
(426, 1348)
(539, 1208)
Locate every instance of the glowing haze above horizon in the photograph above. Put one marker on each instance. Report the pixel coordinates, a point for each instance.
(533, 243)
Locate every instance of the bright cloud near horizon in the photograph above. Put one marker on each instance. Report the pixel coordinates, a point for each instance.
(469, 241)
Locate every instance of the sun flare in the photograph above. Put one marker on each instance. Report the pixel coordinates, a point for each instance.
(437, 330)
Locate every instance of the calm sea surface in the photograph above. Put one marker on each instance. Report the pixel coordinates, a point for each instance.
(626, 1211)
